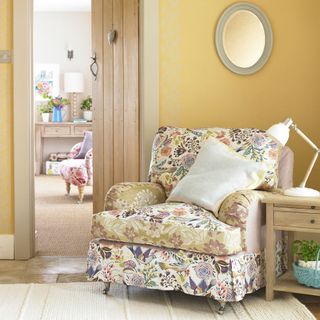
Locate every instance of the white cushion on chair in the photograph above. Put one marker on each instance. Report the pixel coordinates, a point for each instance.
(217, 172)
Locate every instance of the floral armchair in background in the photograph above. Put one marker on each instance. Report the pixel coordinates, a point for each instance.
(77, 170)
(144, 241)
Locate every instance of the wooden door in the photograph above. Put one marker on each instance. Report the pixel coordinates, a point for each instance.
(115, 96)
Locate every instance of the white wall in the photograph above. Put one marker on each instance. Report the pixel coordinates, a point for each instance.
(53, 33)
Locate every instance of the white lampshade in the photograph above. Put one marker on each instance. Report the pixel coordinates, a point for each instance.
(73, 82)
(280, 131)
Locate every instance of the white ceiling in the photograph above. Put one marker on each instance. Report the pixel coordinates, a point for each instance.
(62, 5)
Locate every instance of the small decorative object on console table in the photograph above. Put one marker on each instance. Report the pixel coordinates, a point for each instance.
(57, 115)
(292, 214)
(45, 111)
(280, 131)
(73, 83)
(56, 103)
(86, 106)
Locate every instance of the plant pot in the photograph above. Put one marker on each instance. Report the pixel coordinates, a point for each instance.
(87, 115)
(45, 117)
(308, 264)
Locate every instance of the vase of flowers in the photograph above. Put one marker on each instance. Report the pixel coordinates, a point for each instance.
(45, 111)
(56, 103)
(57, 115)
(86, 106)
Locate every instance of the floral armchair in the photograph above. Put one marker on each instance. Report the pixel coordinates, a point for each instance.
(141, 240)
(77, 172)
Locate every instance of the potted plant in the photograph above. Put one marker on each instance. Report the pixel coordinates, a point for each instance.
(45, 111)
(306, 270)
(56, 103)
(86, 106)
(306, 252)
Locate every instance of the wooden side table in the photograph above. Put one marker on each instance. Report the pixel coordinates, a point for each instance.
(292, 214)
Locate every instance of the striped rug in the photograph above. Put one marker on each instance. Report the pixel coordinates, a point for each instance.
(85, 301)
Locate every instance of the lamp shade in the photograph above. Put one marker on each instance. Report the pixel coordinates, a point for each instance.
(279, 131)
(73, 82)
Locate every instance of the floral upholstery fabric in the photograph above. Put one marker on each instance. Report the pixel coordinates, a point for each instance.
(75, 150)
(224, 278)
(134, 195)
(89, 165)
(235, 210)
(77, 172)
(175, 149)
(170, 225)
(144, 242)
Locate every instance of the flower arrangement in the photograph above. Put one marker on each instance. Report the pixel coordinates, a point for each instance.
(86, 104)
(56, 102)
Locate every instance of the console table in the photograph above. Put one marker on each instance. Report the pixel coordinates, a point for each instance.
(55, 130)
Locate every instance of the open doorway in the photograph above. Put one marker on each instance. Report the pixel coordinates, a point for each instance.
(63, 126)
(24, 236)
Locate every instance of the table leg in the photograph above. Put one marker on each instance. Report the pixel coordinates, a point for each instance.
(290, 255)
(270, 254)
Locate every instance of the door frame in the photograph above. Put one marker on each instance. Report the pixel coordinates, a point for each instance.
(23, 125)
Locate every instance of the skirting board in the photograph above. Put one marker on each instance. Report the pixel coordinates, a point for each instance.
(6, 246)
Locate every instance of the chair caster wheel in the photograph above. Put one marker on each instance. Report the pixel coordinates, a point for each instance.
(221, 308)
(106, 288)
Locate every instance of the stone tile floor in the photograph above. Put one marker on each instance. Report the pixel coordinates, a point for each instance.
(43, 270)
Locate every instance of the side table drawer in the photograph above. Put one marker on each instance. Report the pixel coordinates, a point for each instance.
(79, 131)
(294, 219)
(56, 131)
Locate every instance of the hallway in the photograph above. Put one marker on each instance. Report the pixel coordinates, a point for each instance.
(62, 225)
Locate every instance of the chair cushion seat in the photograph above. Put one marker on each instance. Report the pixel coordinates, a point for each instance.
(73, 163)
(74, 171)
(171, 225)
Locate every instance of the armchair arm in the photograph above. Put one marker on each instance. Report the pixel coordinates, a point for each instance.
(134, 195)
(75, 150)
(245, 210)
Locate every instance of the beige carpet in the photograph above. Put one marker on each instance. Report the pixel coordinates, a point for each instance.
(84, 301)
(62, 225)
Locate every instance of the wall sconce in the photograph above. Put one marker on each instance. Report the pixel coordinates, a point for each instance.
(70, 54)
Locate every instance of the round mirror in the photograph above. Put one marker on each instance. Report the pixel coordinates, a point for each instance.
(243, 38)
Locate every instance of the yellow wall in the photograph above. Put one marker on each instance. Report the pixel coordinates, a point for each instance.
(196, 90)
(6, 137)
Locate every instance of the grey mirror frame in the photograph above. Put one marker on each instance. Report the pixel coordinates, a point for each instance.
(219, 38)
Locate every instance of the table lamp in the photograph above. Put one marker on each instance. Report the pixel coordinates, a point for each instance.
(280, 131)
(73, 83)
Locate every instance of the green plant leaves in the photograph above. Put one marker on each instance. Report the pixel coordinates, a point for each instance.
(86, 104)
(306, 250)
